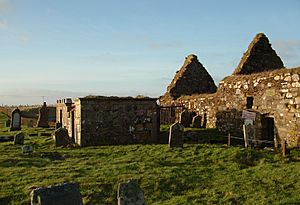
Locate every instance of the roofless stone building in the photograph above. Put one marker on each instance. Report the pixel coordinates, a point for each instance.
(99, 120)
(260, 85)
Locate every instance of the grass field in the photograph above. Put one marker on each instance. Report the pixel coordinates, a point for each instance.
(197, 174)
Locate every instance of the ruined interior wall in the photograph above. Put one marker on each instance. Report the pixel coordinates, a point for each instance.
(77, 121)
(116, 121)
(62, 107)
(201, 104)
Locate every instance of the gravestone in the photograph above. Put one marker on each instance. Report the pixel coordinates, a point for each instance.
(196, 122)
(249, 134)
(130, 194)
(185, 118)
(43, 117)
(61, 137)
(27, 149)
(176, 135)
(15, 120)
(19, 139)
(30, 124)
(61, 194)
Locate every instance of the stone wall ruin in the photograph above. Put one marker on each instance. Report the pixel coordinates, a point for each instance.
(99, 120)
(270, 91)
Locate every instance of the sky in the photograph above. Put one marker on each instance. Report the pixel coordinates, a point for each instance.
(54, 49)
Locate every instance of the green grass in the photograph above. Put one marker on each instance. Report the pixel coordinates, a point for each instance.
(203, 173)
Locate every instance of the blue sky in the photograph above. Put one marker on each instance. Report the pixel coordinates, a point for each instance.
(69, 48)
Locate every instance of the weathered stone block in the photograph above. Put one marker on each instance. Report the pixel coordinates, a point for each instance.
(62, 194)
(61, 137)
(130, 194)
(19, 139)
(27, 149)
(176, 135)
(295, 77)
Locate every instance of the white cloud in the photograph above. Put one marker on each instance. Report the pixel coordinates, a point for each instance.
(5, 5)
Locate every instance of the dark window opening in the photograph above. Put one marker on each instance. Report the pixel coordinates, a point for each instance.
(249, 104)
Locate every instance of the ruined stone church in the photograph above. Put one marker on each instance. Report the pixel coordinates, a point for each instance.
(260, 85)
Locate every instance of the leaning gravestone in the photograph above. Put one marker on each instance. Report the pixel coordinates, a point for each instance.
(176, 135)
(19, 139)
(249, 134)
(130, 194)
(185, 118)
(61, 137)
(61, 194)
(43, 117)
(15, 120)
(196, 122)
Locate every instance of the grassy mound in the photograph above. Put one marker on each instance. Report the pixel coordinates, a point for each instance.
(198, 174)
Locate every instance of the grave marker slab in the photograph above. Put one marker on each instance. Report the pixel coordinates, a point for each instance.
(176, 135)
(61, 194)
(130, 194)
(19, 139)
(15, 120)
(61, 137)
(27, 149)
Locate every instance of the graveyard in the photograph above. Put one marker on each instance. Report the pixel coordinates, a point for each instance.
(206, 171)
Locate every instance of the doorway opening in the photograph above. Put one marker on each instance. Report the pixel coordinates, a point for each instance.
(268, 127)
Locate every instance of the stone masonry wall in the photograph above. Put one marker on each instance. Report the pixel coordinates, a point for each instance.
(276, 94)
(110, 121)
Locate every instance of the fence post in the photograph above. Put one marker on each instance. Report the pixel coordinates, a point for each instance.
(283, 147)
(229, 140)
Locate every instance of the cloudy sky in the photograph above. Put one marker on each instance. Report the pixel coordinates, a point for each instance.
(69, 48)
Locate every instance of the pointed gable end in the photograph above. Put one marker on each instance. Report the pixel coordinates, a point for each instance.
(259, 57)
(192, 78)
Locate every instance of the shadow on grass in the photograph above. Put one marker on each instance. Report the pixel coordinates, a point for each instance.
(37, 159)
(5, 200)
(100, 193)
